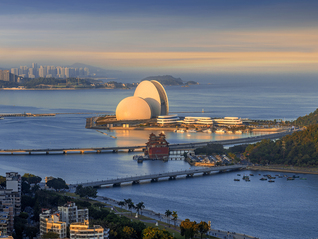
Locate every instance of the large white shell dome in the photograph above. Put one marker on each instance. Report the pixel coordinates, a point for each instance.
(149, 100)
(133, 108)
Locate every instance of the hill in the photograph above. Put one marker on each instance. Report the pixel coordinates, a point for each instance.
(169, 80)
(310, 119)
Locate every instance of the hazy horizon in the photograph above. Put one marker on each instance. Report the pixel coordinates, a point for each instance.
(151, 38)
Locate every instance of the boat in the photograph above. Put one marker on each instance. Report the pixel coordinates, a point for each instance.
(303, 178)
(270, 177)
(180, 131)
(207, 131)
(1, 118)
(220, 131)
(271, 181)
(236, 179)
(263, 179)
(295, 176)
(251, 174)
(238, 174)
(290, 178)
(229, 132)
(246, 178)
(280, 176)
(238, 132)
(191, 131)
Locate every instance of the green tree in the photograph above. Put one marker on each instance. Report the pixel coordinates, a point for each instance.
(188, 228)
(129, 232)
(121, 204)
(174, 217)
(31, 232)
(86, 191)
(57, 184)
(31, 178)
(2, 181)
(50, 235)
(156, 233)
(203, 228)
(140, 206)
(168, 214)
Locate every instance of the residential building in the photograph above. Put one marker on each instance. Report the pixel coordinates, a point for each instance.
(13, 183)
(51, 223)
(69, 213)
(81, 230)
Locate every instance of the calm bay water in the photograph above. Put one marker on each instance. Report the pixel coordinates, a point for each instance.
(282, 209)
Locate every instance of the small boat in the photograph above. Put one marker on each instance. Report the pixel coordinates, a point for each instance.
(191, 131)
(251, 174)
(263, 179)
(238, 174)
(246, 177)
(229, 132)
(270, 177)
(236, 179)
(207, 131)
(295, 176)
(280, 176)
(180, 131)
(238, 132)
(220, 131)
(1, 118)
(290, 178)
(271, 181)
(303, 178)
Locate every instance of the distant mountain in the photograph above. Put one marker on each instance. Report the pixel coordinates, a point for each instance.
(170, 80)
(165, 80)
(99, 72)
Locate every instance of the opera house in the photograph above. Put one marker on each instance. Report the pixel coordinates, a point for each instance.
(149, 101)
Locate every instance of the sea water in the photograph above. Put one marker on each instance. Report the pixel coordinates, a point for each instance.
(284, 209)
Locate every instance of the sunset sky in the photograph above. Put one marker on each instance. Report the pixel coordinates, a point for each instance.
(210, 36)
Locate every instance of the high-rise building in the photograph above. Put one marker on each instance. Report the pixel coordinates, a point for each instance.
(13, 183)
(42, 71)
(35, 65)
(67, 72)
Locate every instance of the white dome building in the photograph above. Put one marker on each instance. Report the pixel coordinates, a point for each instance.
(150, 100)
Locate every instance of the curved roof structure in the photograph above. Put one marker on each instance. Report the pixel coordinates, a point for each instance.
(148, 91)
(149, 100)
(163, 98)
(133, 108)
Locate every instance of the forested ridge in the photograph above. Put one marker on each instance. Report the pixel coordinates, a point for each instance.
(306, 120)
(299, 149)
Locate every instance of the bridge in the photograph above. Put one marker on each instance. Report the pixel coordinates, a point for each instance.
(176, 148)
(116, 182)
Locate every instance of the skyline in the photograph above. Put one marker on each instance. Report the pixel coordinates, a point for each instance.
(208, 37)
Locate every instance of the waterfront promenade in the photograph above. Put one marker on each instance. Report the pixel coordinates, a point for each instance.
(156, 177)
(177, 148)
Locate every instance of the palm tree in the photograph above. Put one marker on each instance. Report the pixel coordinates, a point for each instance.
(131, 206)
(140, 206)
(121, 204)
(127, 201)
(175, 217)
(168, 214)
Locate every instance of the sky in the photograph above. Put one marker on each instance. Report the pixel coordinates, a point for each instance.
(201, 36)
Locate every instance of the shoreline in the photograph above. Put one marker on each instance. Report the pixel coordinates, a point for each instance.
(284, 169)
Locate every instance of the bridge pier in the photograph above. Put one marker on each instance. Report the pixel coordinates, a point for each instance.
(115, 151)
(206, 173)
(190, 175)
(131, 150)
(47, 152)
(82, 151)
(30, 152)
(64, 152)
(98, 151)
(135, 182)
(172, 177)
(116, 185)
(154, 180)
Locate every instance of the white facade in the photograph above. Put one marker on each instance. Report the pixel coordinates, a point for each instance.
(69, 213)
(168, 119)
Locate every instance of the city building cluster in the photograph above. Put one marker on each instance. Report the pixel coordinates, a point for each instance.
(66, 216)
(6, 75)
(36, 71)
(10, 203)
(70, 216)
